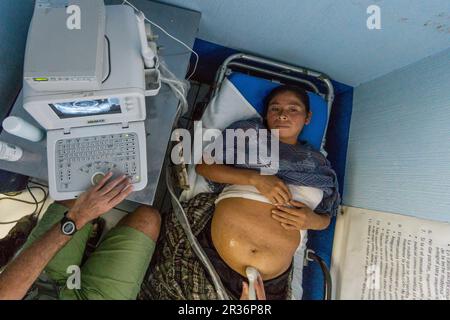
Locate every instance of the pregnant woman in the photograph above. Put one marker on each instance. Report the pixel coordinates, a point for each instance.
(250, 219)
(259, 220)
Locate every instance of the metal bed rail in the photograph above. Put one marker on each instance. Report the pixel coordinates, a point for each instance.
(275, 74)
(327, 281)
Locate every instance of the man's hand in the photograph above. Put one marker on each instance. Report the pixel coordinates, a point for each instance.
(259, 288)
(272, 187)
(20, 274)
(100, 199)
(300, 217)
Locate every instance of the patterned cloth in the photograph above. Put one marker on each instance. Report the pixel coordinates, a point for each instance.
(298, 164)
(176, 272)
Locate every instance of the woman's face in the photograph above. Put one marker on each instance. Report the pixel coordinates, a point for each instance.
(287, 113)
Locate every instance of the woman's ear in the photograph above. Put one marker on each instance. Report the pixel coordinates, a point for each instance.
(308, 118)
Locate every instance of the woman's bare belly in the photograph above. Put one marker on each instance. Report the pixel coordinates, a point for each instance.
(245, 234)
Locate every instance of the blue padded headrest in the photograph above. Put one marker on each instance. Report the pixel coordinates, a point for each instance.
(256, 89)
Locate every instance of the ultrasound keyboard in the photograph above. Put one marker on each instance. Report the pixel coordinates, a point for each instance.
(84, 161)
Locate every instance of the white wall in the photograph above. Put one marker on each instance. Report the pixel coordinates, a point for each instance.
(399, 147)
(328, 35)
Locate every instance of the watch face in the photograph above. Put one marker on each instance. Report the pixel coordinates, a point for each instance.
(68, 228)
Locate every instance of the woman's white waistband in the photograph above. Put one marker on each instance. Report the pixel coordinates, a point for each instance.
(307, 195)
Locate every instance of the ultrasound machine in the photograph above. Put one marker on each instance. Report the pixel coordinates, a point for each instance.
(87, 88)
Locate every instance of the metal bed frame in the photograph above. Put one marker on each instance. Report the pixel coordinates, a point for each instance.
(279, 71)
(275, 71)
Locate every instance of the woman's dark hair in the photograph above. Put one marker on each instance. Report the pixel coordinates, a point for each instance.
(299, 92)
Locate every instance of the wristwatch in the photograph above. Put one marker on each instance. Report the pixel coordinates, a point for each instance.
(68, 226)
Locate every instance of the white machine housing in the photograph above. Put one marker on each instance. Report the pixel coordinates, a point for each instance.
(59, 58)
(127, 84)
(126, 81)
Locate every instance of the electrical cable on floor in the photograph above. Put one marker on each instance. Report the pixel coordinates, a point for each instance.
(39, 184)
(37, 211)
(18, 235)
(46, 194)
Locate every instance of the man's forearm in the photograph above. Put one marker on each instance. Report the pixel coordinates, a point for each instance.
(18, 276)
(21, 273)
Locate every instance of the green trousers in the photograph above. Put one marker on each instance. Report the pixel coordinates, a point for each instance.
(114, 271)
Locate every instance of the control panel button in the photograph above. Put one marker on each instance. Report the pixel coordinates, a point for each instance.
(97, 177)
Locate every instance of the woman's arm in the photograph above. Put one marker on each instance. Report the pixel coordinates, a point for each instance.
(222, 173)
(271, 187)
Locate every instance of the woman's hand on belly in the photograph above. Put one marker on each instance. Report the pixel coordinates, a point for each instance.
(300, 217)
(244, 234)
(272, 187)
